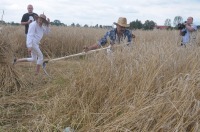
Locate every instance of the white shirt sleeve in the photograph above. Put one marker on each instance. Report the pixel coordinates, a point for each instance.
(46, 29)
(30, 35)
(194, 27)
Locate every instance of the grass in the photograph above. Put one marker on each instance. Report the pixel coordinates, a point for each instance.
(153, 86)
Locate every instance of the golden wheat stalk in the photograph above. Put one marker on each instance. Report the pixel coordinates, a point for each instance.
(9, 78)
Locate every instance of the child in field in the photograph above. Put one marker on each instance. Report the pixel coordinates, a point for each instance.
(35, 34)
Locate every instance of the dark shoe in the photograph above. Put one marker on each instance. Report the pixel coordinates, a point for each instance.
(14, 61)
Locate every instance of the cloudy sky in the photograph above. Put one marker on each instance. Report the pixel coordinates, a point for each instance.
(102, 12)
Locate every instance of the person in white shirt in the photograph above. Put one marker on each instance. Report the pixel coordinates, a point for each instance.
(35, 34)
(188, 32)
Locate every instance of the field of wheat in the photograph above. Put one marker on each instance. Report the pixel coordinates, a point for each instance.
(152, 86)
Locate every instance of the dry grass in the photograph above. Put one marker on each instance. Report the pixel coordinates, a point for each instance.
(153, 86)
(10, 81)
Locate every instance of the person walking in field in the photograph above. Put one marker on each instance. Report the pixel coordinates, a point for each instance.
(28, 17)
(35, 34)
(118, 35)
(188, 32)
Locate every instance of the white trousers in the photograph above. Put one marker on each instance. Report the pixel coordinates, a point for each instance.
(36, 55)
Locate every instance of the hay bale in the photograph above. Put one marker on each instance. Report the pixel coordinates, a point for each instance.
(10, 81)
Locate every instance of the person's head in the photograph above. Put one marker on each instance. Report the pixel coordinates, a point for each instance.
(30, 8)
(41, 19)
(189, 20)
(121, 24)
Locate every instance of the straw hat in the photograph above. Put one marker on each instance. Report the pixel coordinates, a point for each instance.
(122, 22)
(43, 17)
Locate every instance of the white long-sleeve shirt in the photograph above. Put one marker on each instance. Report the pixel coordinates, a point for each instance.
(35, 34)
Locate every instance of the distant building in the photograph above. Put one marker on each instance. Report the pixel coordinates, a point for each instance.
(161, 27)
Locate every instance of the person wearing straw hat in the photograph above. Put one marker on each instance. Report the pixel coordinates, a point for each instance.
(116, 35)
(28, 17)
(35, 34)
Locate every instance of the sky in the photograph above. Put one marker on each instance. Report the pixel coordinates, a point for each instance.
(102, 12)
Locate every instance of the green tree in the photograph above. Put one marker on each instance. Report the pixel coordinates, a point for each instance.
(177, 20)
(167, 22)
(72, 25)
(78, 25)
(2, 22)
(149, 25)
(14, 24)
(96, 26)
(136, 24)
(57, 22)
(86, 26)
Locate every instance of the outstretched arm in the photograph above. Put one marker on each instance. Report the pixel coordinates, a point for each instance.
(92, 47)
(100, 43)
(47, 29)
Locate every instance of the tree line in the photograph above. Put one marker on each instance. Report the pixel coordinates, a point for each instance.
(137, 24)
